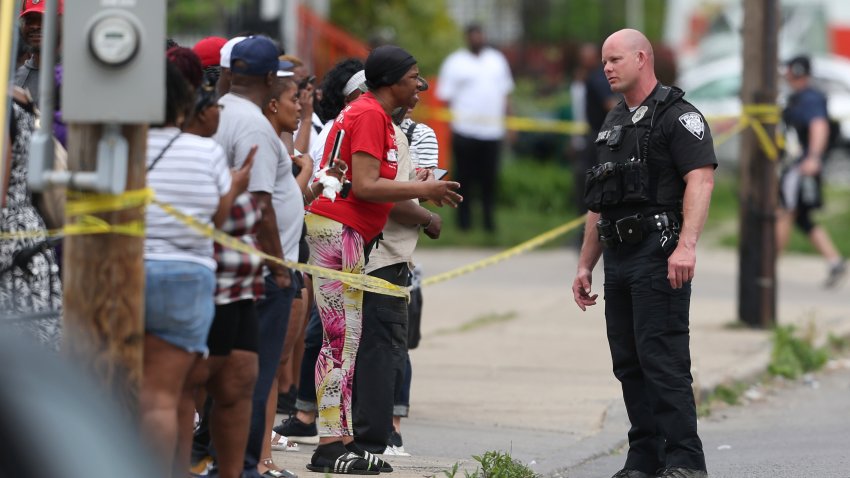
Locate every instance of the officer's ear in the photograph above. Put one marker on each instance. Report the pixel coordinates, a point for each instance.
(641, 57)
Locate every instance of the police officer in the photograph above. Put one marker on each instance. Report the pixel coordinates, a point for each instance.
(807, 115)
(648, 199)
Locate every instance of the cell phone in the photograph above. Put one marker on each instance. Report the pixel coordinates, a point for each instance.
(307, 81)
(337, 146)
(440, 173)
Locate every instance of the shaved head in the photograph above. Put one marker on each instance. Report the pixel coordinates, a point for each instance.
(632, 41)
(629, 65)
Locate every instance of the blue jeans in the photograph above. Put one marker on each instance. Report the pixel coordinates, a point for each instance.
(273, 312)
(179, 304)
(306, 398)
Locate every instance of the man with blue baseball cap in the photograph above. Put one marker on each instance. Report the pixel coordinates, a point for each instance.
(254, 65)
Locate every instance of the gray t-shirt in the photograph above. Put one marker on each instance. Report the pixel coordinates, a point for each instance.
(27, 78)
(242, 125)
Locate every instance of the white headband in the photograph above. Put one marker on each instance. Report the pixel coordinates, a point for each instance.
(354, 83)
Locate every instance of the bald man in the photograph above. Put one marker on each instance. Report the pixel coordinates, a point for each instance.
(648, 198)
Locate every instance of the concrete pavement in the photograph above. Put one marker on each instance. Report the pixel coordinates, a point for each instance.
(508, 362)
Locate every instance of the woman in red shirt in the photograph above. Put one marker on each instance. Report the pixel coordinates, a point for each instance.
(340, 230)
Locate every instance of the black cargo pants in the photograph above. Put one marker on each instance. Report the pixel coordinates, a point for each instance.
(647, 325)
(381, 361)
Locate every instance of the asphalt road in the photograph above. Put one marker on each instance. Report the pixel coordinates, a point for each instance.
(798, 430)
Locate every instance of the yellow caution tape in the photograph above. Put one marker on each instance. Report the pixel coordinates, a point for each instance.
(95, 225)
(755, 116)
(741, 125)
(359, 281)
(85, 203)
(526, 246)
(84, 225)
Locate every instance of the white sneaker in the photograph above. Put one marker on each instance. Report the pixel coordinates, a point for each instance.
(396, 451)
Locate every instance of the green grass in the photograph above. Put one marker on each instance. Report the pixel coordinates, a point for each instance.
(795, 353)
(534, 197)
(724, 203)
(728, 394)
(495, 464)
(835, 218)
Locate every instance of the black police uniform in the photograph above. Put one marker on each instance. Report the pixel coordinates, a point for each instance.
(638, 189)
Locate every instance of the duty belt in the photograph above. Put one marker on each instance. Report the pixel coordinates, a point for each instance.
(631, 229)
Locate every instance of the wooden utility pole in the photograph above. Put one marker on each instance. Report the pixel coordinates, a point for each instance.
(104, 281)
(758, 188)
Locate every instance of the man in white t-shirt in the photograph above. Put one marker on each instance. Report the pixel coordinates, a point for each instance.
(476, 82)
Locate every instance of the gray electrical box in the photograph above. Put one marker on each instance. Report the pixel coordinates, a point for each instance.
(113, 57)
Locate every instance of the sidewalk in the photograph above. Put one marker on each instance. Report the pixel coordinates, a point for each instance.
(508, 362)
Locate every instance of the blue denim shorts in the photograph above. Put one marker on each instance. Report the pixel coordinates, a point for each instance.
(179, 304)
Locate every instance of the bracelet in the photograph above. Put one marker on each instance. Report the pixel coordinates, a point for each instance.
(430, 220)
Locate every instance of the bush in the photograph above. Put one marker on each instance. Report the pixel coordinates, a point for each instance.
(537, 187)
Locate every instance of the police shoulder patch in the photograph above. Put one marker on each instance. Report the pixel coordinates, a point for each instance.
(693, 123)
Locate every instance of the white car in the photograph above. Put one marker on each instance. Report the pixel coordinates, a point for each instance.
(715, 89)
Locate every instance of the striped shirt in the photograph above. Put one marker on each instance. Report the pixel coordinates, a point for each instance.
(192, 176)
(424, 151)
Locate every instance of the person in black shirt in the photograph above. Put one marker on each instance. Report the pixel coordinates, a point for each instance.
(800, 186)
(648, 199)
(596, 101)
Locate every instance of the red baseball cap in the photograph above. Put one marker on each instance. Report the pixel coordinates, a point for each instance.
(37, 6)
(209, 50)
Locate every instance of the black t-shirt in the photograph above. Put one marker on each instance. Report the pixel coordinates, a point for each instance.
(679, 142)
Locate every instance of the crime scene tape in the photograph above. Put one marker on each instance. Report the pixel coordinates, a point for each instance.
(84, 225)
(85, 203)
(359, 281)
(82, 205)
(754, 116)
(526, 246)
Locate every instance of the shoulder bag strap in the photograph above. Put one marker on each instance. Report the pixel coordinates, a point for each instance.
(161, 153)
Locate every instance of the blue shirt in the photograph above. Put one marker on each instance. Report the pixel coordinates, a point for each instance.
(804, 107)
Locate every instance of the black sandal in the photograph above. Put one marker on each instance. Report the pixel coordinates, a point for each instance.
(375, 463)
(348, 463)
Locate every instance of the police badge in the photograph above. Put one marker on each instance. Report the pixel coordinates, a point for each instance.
(693, 123)
(639, 114)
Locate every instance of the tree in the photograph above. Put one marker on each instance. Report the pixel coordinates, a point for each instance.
(424, 28)
(579, 20)
(199, 15)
